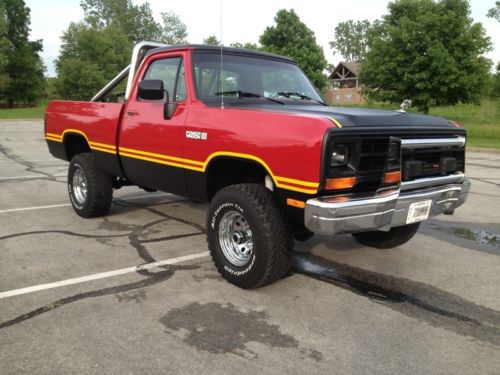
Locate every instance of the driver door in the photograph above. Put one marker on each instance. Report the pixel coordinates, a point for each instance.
(150, 145)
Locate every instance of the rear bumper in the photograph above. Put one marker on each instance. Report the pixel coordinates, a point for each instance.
(337, 215)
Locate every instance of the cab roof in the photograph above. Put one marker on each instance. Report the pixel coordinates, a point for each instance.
(225, 50)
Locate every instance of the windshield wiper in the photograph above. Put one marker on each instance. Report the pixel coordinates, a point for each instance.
(245, 94)
(289, 94)
(239, 93)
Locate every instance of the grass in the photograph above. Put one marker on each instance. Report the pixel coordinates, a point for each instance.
(23, 113)
(481, 121)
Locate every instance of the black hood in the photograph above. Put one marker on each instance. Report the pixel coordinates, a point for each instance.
(350, 116)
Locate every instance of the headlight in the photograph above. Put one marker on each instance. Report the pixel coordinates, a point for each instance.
(339, 155)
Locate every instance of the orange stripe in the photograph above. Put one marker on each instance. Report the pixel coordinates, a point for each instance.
(306, 187)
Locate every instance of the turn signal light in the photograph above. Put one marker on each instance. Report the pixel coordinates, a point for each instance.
(392, 177)
(340, 183)
(295, 203)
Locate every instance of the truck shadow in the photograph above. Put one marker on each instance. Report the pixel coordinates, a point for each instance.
(411, 298)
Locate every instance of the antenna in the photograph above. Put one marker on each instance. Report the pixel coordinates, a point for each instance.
(221, 60)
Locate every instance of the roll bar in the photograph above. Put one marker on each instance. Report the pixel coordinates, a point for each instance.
(138, 54)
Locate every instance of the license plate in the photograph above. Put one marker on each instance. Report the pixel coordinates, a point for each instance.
(418, 211)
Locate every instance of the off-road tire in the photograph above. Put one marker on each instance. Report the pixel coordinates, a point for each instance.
(99, 194)
(272, 239)
(386, 240)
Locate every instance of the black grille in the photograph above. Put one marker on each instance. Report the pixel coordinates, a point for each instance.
(368, 153)
(428, 162)
(373, 154)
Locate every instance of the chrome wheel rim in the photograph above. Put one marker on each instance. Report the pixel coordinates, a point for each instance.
(79, 186)
(235, 238)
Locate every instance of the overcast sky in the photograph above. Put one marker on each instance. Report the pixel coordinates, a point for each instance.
(242, 21)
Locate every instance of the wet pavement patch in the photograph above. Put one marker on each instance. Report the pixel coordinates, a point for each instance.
(412, 298)
(219, 329)
(478, 235)
(484, 237)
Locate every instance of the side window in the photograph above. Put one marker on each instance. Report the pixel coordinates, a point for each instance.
(168, 70)
(180, 91)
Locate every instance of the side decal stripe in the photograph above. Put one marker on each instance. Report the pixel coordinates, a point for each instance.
(338, 124)
(306, 187)
(165, 162)
(160, 156)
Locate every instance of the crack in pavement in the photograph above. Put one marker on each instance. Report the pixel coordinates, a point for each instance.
(485, 181)
(483, 165)
(65, 232)
(152, 278)
(29, 166)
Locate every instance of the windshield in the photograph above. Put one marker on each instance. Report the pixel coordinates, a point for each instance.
(246, 77)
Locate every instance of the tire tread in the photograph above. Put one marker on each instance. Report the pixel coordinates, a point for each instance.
(275, 227)
(100, 187)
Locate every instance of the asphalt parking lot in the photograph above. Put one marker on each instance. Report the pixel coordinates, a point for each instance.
(72, 299)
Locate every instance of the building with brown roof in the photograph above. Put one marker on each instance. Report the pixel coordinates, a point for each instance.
(343, 84)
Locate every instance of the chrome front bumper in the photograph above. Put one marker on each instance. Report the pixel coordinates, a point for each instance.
(336, 215)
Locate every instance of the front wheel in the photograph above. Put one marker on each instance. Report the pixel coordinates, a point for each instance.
(247, 236)
(385, 240)
(90, 189)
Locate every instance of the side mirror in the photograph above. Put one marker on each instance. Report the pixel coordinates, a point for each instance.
(151, 89)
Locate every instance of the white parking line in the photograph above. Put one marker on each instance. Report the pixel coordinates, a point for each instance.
(101, 275)
(29, 161)
(38, 176)
(68, 204)
(33, 208)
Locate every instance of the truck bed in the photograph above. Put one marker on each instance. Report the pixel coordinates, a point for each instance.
(97, 122)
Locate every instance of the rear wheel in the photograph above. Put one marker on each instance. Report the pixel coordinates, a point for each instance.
(90, 189)
(385, 240)
(247, 235)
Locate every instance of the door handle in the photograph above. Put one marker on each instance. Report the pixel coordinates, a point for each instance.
(132, 113)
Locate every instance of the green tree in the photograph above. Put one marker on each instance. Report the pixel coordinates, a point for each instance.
(247, 45)
(427, 51)
(495, 11)
(23, 67)
(89, 58)
(100, 45)
(291, 37)
(173, 30)
(5, 46)
(350, 40)
(495, 89)
(136, 21)
(212, 41)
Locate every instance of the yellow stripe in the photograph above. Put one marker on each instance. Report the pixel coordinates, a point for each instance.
(306, 191)
(338, 124)
(52, 135)
(159, 161)
(161, 156)
(104, 150)
(53, 139)
(103, 145)
(298, 182)
(198, 166)
(203, 167)
(77, 132)
(264, 164)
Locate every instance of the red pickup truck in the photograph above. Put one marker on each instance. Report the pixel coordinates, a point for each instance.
(247, 132)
